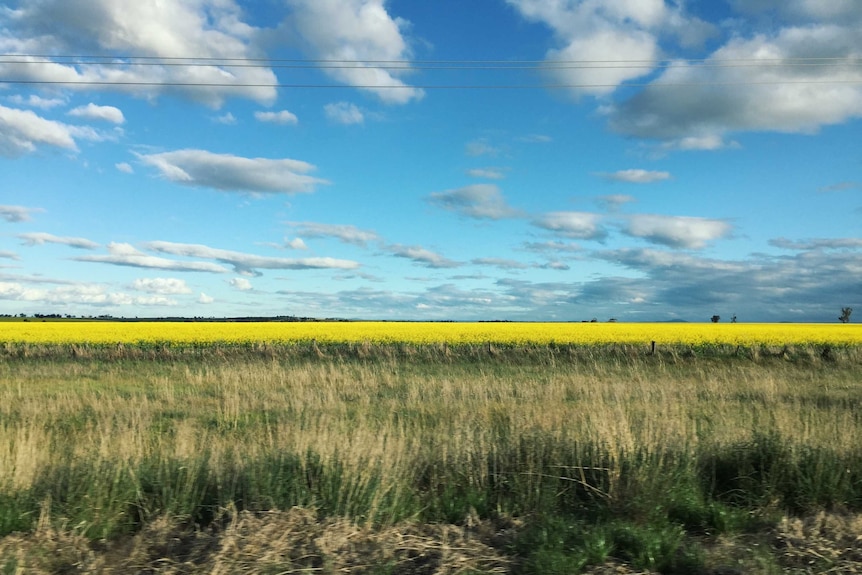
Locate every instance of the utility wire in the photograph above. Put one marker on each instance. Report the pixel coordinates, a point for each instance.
(35, 60)
(28, 59)
(424, 86)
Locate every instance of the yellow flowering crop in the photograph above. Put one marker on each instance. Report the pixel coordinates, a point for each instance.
(201, 333)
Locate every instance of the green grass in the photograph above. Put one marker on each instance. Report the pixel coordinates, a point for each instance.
(599, 456)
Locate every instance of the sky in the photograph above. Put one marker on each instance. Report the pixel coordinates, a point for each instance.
(524, 160)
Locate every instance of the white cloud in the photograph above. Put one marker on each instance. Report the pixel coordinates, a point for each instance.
(817, 244)
(78, 294)
(93, 112)
(761, 288)
(40, 238)
(346, 233)
(599, 31)
(771, 92)
(487, 173)
(21, 131)
(35, 101)
(283, 117)
(227, 119)
(162, 286)
(151, 28)
(483, 201)
(124, 167)
(536, 139)
(580, 225)
(16, 214)
(481, 147)
(205, 299)
(422, 256)
(122, 254)
(359, 31)
(248, 263)
(552, 246)
(8, 255)
(234, 173)
(677, 231)
(636, 176)
(241, 284)
(614, 202)
(344, 113)
(295, 244)
(502, 263)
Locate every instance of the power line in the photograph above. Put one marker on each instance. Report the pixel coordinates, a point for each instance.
(424, 86)
(195, 61)
(35, 60)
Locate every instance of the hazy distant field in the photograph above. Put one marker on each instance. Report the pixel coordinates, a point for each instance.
(317, 448)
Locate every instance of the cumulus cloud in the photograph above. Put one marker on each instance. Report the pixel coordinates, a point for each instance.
(234, 173)
(282, 117)
(22, 131)
(361, 32)
(344, 113)
(248, 264)
(422, 256)
(16, 214)
(124, 167)
(771, 91)
(580, 225)
(636, 176)
(482, 201)
(205, 299)
(122, 254)
(295, 244)
(598, 32)
(78, 294)
(162, 286)
(810, 285)
(93, 112)
(151, 28)
(346, 233)
(677, 231)
(241, 284)
(40, 238)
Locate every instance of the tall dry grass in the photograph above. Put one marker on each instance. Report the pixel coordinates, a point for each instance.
(109, 445)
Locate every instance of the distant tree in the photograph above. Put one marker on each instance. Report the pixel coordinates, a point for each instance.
(715, 318)
(845, 314)
(733, 319)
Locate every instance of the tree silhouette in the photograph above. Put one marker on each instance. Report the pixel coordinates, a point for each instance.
(845, 314)
(715, 318)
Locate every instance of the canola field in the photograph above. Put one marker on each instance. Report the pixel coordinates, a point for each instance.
(427, 333)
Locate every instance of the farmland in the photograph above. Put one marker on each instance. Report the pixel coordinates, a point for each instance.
(432, 448)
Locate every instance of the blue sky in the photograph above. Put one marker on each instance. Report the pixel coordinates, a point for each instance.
(644, 160)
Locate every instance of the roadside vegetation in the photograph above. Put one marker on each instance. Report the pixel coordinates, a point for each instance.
(393, 458)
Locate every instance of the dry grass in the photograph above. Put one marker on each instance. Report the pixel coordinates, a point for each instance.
(384, 421)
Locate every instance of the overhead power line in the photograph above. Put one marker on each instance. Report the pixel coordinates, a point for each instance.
(809, 64)
(84, 60)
